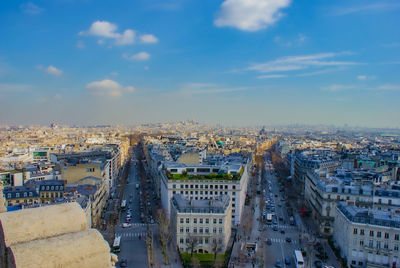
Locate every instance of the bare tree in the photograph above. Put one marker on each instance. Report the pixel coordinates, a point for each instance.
(247, 223)
(192, 241)
(216, 246)
(165, 233)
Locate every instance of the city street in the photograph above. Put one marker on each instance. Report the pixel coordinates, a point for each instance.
(133, 238)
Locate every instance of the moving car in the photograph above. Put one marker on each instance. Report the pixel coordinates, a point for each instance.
(278, 264)
(126, 225)
(287, 261)
(288, 239)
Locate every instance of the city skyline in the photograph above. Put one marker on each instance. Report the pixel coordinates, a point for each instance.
(265, 63)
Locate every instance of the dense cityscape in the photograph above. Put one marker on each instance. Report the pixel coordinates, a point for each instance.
(199, 134)
(189, 194)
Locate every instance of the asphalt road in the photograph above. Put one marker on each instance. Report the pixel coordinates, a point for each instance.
(133, 246)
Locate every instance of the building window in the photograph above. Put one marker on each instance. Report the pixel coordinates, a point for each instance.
(195, 220)
(174, 186)
(195, 230)
(173, 192)
(233, 186)
(187, 220)
(201, 230)
(361, 242)
(371, 243)
(371, 233)
(378, 244)
(206, 240)
(187, 229)
(201, 220)
(214, 230)
(181, 221)
(378, 234)
(396, 247)
(220, 221)
(25, 194)
(181, 230)
(181, 186)
(196, 186)
(387, 235)
(181, 241)
(30, 194)
(396, 237)
(386, 245)
(214, 220)
(355, 231)
(207, 221)
(8, 195)
(17, 195)
(361, 231)
(220, 230)
(207, 230)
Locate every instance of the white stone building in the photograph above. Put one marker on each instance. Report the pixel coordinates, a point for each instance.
(366, 237)
(203, 226)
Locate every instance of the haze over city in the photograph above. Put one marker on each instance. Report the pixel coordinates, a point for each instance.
(231, 62)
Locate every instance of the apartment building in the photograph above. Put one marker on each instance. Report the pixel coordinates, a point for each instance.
(203, 226)
(366, 237)
(322, 194)
(232, 182)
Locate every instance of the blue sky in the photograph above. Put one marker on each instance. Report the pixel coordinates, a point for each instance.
(233, 62)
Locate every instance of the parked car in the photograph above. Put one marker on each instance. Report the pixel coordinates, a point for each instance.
(123, 263)
(318, 264)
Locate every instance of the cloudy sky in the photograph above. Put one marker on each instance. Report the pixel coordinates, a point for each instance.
(233, 62)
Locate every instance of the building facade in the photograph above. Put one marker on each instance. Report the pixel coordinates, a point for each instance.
(366, 237)
(201, 226)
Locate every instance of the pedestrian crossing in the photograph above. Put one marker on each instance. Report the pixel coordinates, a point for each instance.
(131, 234)
(282, 240)
(282, 226)
(141, 224)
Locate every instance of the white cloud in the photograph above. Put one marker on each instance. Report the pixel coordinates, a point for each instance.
(108, 87)
(141, 56)
(374, 7)
(337, 87)
(148, 39)
(57, 97)
(80, 44)
(250, 15)
(114, 74)
(127, 38)
(292, 63)
(31, 8)
(362, 77)
(302, 38)
(389, 87)
(269, 76)
(105, 29)
(206, 88)
(53, 71)
(297, 41)
(14, 88)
